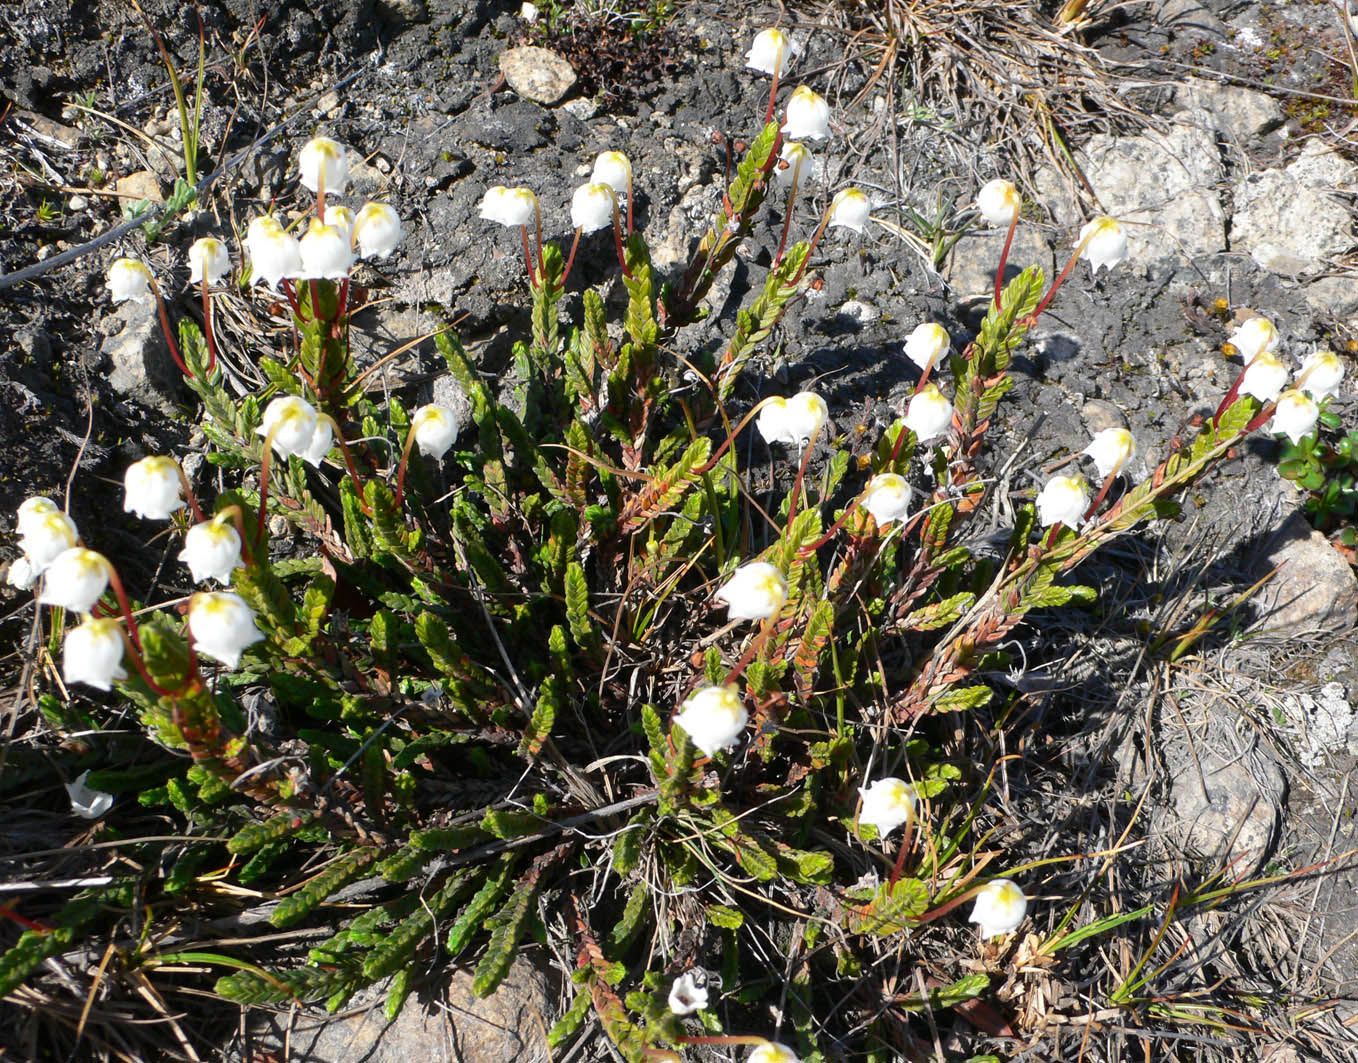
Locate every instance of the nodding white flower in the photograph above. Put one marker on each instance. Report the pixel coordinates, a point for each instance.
(999, 909)
(887, 498)
(435, 427)
(887, 804)
(999, 202)
(807, 116)
(377, 230)
(222, 626)
(592, 206)
(34, 509)
(212, 551)
(208, 260)
(1111, 449)
(799, 163)
(927, 344)
(1320, 375)
(130, 280)
(93, 653)
(326, 254)
(46, 537)
(152, 488)
(275, 253)
(612, 168)
(1264, 377)
(1254, 336)
(321, 440)
(850, 208)
(515, 207)
(796, 420)
(1105, 243)
(773, 1052)
(76, 580)
(1295, 415)
(528, 12)
(341, 217)
(323, 160)
(771, 52)
(755, 591)
(21, 574)
(1063, 500)
(86, 802)
(929, 414)
(689, 993)
(292, 423)
(713, 717)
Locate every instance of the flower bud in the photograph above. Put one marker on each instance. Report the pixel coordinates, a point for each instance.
(377, 230)
(46, 537)
(1063, 500)
(291, 421)
(32, 510)
(222, 626)
(93, 653)
(129, 279)
(771, 52)
(755, 591)
(807, 116)
(1321, 374)
(1264, 377)
(152, 488)
(208, 260)
(324, 160)
(887, 804)
(326, 254)
(927, 344)
(612, 168)
(796, 420)
(1253, 337)
(515, 207)
(689, 993)
(929, 414)
(275, 254)
(850, 209)
(212, 551)
(86, 802)
(999, 909)
(1295, 415)
(339, 217)
(592, 207)
(887, 498)
(1111, 449)
(799, 163)
(1104, 242)
(76, 580)
(713, 717)
(772, 1052)
(435, 427)
(999, 202)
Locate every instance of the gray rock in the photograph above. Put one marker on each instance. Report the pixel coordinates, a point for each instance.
(1189, 16)
(447, 392)
(537, 74)
(1320, 166)
(142, 367)
(1288, 227)
(1335, 295)
(1235, 112)
(410, 12)
(1314, 589)
(1323, 721)
(970, 268)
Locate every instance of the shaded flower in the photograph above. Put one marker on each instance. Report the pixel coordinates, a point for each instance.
(887, 804)
(46, 537)
(1063, 500)
(1254, 336)
(93, 653)
(999, 909)
(887, 498)
(76, 580)
(325, 250)
(291, 421)
(929, 414)
(798, 159)
(592, 206)
(130, 280)
(21, 574)
(435, 427)
(324, 160)
(212, 551)
(88, 803)
(689, 993)
(1295, 415)
(1104, 242)
(509, 206)
(275, 253)
(321, 440)
(377, 230)
(208, 260)
(755, 591)
(927, 344)
(850, 209)
(999, 202)
(152, 488)
(222, 626)
(1111, 449)
(1321, 374)
(771, 52)
(1265, 376)
(807, 116)
(713, 717)
(795, 420)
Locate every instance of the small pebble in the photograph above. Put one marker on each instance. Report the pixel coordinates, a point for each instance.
(79, 203)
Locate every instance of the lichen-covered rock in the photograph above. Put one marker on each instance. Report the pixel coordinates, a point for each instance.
(537, 74)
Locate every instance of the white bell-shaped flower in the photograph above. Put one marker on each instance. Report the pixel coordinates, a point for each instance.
(86, 802)
(1111, 449)
(21, 574)
(755, 591)
(807, 116)
(592, 206)
(1295, 415)
(47, 537)
(75, 580)
(772, 1052)
(93, 653)
(321, 441)
(796, 420)
(515, 207)
(212, 551)
(34, 509)
(713, 717)
(688, 993)
(1104, 242)
(927, 344)
(152, 488)
(275, 254)
(999, 909)
(435, 427)
(887, 498)
(612, 168)
(998, 202)
(326, 254)
(1321, 374)
(222, 626)
(324, 160)
(1063, 500)
(771, 52)
(850, 209)
(130, 280)
(799, 163)
(1265, 376)
(291, 422)
(929, 414)
(377, 230)
(1254, 336)
(208, 260)
(887, 804)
